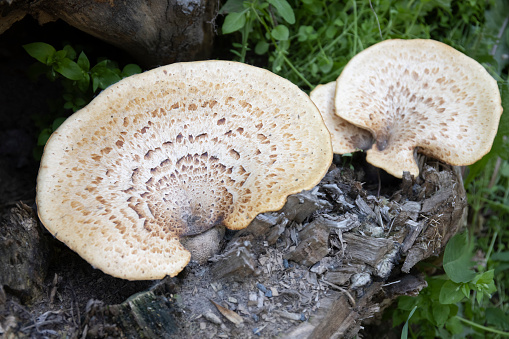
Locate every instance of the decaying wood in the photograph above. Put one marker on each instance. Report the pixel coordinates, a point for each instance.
(380, 253)
(329, 261)
(301, 205)
(155, 33)
(237, 262)
(143, 315)
(24, 252)
(313, 244)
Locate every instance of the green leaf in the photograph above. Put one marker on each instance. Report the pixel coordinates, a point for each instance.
(261, 47)
(57, 122)
(37, 153)
(69, 52)
(331, 32)
(497, 318)
(130, 69)
(457, 259)
(454, 325)
(69, 69)
(484, 278)
(233, 22)
(232, 6)
(440, 313)
(280, 32)
(44, 136)
(83, 62)
(407, 303)
(40, 51)
(325, 64)
(500, 256)
(501, 268)
(103, 77)
(307, 33)
(59, 56)
(404, 331)
(484, 284)
(435, 286)
(451, 293)
(465, 290)
(284, 9)
(84, 83)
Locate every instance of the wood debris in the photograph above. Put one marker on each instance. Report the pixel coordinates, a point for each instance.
(332, 257)
(228, 314)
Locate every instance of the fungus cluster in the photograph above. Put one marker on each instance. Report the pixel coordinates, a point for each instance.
(414, 96)
(180, 149)
(173, 152)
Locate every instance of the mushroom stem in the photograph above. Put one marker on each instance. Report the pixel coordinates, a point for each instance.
(204, 245)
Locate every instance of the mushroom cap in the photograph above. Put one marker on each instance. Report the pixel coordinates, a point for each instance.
(419, 94)
(345, 137)
(174, 152)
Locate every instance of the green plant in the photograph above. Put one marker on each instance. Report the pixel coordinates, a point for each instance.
(440, 303)
(310, 41)
(80, 81)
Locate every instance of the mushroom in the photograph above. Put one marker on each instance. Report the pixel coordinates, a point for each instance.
(345, 137)
(171, 153)
(419, 95)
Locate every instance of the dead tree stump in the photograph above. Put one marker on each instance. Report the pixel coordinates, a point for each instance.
(331, 258)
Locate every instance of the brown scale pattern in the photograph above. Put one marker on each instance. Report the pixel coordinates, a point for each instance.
(426, 97)
(184, 196)
(152, 160)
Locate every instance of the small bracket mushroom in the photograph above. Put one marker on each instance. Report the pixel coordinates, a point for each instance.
(346, 137)
(419, 95)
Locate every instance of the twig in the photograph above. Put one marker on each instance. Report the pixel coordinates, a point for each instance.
(481, 327)
(378, 22)
(499, 36)
(352, 300)
(494, 176)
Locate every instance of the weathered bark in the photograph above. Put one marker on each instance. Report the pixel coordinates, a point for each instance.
(154, 32)
(143, 315)
(24, 253)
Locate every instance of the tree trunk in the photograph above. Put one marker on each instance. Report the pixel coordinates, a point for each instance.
(155, 33)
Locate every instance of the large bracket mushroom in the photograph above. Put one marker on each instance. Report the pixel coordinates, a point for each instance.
(173, 152)
(419, 96)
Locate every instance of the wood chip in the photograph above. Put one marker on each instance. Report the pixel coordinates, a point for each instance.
(415, 230)
(289, 315)
(228, 314)
(364, 207)
(261, 297)
(275, 293)
(212, 318)
(253, 299)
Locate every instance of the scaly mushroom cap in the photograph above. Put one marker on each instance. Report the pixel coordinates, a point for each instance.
(419, 94)
(173, 152)
(345, 137)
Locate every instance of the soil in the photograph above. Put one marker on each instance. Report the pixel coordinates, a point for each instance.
(326, 264)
